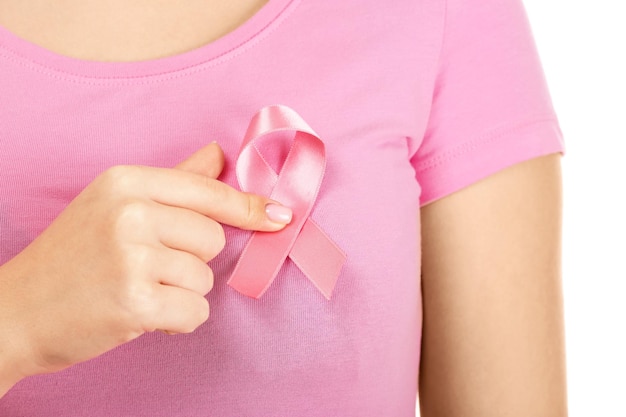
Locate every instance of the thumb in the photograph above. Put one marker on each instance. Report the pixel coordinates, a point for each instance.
(208, 161)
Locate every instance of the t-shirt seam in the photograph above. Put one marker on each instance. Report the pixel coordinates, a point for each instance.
(225, 56)
(482, 140)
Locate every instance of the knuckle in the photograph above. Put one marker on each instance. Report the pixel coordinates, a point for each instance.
(253, 214)
(200, 315)
(120, 178)
(200, 275)
(130, 215)
(214, 242)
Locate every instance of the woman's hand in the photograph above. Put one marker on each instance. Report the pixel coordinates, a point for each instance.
(127, 256)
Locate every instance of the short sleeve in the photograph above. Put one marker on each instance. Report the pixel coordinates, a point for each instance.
(491, 106)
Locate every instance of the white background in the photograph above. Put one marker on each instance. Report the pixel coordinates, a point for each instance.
(583, 49)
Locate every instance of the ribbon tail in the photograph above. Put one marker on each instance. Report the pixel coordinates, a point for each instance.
(318, 257)
(259, 263)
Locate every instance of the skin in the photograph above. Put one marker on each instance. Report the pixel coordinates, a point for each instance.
(493, 322)
(111, 267)
(493, 336)
(123, 30)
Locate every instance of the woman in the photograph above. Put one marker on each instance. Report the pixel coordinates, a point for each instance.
(441, 163)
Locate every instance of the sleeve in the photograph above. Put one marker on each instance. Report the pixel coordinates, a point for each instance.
(491, 107)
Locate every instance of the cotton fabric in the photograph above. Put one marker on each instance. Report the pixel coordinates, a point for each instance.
(414, 101)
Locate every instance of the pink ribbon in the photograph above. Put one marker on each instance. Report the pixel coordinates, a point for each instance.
(297, 186)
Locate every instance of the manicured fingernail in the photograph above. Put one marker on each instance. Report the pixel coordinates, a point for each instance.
(278, 214)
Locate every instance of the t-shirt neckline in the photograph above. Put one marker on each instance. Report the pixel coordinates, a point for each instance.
(214, 52)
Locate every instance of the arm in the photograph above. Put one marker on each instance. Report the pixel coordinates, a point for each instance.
(493, 338)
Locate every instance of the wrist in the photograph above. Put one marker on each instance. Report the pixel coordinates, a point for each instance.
(11, 362)
(9, 370)
(14, 358)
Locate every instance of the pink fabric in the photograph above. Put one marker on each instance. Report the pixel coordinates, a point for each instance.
(297, 187)
(414, 100)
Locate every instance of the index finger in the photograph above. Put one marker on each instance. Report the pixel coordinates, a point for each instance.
(213, 199)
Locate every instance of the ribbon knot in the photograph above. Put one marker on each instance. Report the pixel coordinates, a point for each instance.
(296, 186)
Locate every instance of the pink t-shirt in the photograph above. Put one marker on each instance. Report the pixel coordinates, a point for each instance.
(413, 99)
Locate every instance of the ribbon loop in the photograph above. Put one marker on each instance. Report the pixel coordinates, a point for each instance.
(296, 186)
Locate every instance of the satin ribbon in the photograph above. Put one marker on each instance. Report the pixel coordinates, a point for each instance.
(296, 186)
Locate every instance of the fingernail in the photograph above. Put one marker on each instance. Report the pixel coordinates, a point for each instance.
(278, 214)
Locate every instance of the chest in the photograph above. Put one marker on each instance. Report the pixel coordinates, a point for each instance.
(361, 82)
(360, 95)
(119, 30)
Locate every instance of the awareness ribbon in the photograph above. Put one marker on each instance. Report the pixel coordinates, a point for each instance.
(296, 186)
